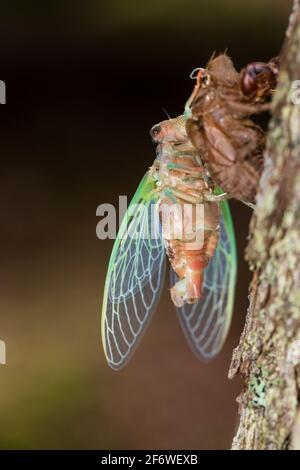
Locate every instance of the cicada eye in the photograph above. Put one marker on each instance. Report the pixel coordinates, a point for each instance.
(248, 84)
(155, 130)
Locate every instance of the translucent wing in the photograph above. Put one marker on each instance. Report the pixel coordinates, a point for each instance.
(206, 323)
(134, 278)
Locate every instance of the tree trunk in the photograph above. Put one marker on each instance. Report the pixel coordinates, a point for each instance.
(268, 356)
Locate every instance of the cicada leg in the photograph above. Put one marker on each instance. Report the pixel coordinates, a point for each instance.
(188, 171)
(216, 197)
(249, 108)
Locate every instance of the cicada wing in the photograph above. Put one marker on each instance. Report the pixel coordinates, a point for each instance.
(206, 323)
(134, 279)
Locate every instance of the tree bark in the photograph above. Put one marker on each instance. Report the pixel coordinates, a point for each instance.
(268, 355)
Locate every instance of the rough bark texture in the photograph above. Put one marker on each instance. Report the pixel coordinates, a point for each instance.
(268, 355)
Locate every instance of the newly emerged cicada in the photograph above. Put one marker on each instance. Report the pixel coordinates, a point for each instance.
(201, 250)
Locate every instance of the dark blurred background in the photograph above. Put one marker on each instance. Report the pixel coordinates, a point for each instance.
(85, 82)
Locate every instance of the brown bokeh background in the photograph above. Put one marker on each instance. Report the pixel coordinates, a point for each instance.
(85, 82)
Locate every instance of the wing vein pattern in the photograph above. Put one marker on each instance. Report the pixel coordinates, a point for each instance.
(206, 323)
(135, 277)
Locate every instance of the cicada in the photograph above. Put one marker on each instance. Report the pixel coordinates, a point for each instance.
(201, 251)
(230, 143)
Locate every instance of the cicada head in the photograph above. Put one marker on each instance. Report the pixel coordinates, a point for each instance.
(170, 130)
(257, 80)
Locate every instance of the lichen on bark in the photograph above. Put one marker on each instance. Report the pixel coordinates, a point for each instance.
(266, 356)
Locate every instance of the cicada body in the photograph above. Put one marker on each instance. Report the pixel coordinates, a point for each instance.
(183, 187)
(163, 218)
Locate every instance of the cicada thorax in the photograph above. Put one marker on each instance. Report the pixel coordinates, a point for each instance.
(190, 222)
